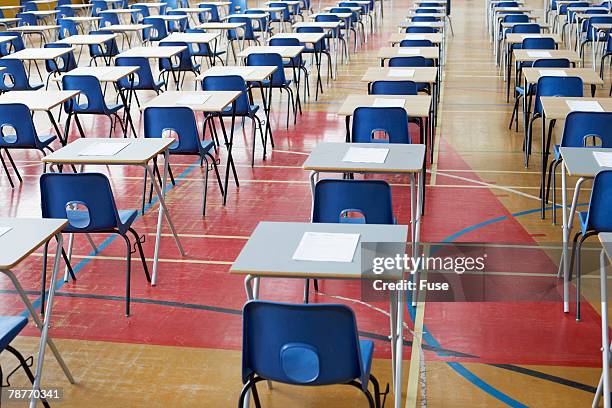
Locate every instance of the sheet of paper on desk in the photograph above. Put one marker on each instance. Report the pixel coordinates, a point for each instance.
(396, 72)
(365, 155)
(538, 54)
(192, 99)
(4, 230)
(408, 51)
(326, 247)
(584, 106)
(234, 71)
(415, 37)
(604, 159)
(104, 149)
(388, 103)
(552, 72)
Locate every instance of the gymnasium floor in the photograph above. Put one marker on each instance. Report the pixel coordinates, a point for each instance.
(181, 345)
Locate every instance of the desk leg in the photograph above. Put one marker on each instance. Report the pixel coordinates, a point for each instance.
(163, 209)
(230, 159)
(543, 175)
(126, 106)
(313, 183)
(605, 342)
(44, 336)
(393, 303)
(564, 266)
(397, 390)
(347, 124)
(57, 129)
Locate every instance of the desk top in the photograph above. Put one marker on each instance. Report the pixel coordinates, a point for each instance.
(402, 158)
(198, 101)
(87, 39)
(39, 53)
(40, 100)
(269, 251)
(580, 162)
(192, 38)
(588, 75)
(25, 236)
(393, 52)
(248, 73)
(415, 105)
(533, 55)
(517, 38)
(120, 28)
(416, 74)
(556, 107)
(139, 152)
(104, 74)
(33, 29)
(396, 38)
(283, 51)
(153, 52)
(320, 24)
(220, 26)
(308, 38)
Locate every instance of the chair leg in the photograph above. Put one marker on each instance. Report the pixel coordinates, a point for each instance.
(43, 284)
(205, 160)
(8, 175)
(253, 142)
(377, 393)
(141, 253)
(24, 365)
(245, 390)
(578, 270)
(365, 392)
(13, 165)
(128, 270)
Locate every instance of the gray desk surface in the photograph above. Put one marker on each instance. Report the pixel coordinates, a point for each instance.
(606, 242)
(139, 152)
(269, 251)
(580, 162)
(402, 158)
(26, 235)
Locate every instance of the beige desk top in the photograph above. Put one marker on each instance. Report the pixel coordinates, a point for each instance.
(139, 152)
(307, 38)
(87, 39)
(34, 29)
(220, 26)
(248, 73)
(392, 52)
(285, 52)
(40, 100)
(192, 38)
(104, 74)
(415, 105)
(556, 107)
(153, 52)
(198, 101)
(512, 38)
(527, 55)
(321, 24)
(419, 74)
(120, 28)
(396, 38)
(25, 236)
(588, 75)
(33, 54)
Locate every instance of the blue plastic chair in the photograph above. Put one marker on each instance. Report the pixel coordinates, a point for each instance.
(261, 25)
(582, 129)
(243, 108)
(17, 132)
(421, 30)
(416, 61)
(278, 81)
(416, 43)
(309, 345)
(89, 86)
(355, 24)
(178, 26)
(204, 50)
(10, 327)
(353, 202)
(66, 28)
(247, 33)
(107, 51)
(181, 121)
(212, 16)
(157, 32)
(283, 16)
(140, 13)
(424, 19)
(336, 32)
(109, 19)
(143, 78)
(550, 86)
(13, 45)
(27, 19)
(588, 38)
(30, 6)
(86, 200)
(14, 76)
(393, 88)
(519, 91)
(296, 62)
(185, 64)
(64, 12)
(97, 7)
(67, 62)
(367, 125)
(593, 221)
(532, 44)
(319, 47)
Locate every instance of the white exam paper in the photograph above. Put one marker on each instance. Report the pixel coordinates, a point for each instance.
(388, 103)
(408, 51)
(365, 155)
(396, 72)
(192, 100)
(553, 72)
(584, 106)
(104, 149)
(326, 247)
(604, 159)
(538, 54)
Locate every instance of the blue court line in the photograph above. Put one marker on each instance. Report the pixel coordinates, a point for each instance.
(432, 341)
(60, 282)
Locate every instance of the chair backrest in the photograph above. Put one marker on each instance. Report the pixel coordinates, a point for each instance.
(421, 30)
(596, 20)
(526, 29)
(370, 122)
(17, 127)
(320, 45)
(185, 62)
(176, 121)
(109, 19)
(213, 15)
(416, 61)
(140, 13)
(557, 86)
(108, 49)
(581, 129)
(599, 216)
(272, 60)
(14, 76)
(262, 23)
(308, 344)
(180, 25)
(393, 88)
(286, 12)
(68, 62)
(11, 46)
(30, 6)
(97, 7)
(289, 42)
(157, 32)
(238, 6)
(516, 18)
(27, 19)
(336, 200)
(67, 28)
(247, 32)
(424, 19)
(143, 78)
(229, 83)
(538, 44)
(416, 43)
(552, 63)
(504, 4)
(90, 89)
(64, 12)
(84, 199)
(563, 8)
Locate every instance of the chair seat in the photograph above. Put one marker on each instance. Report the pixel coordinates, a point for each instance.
(10, 327)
